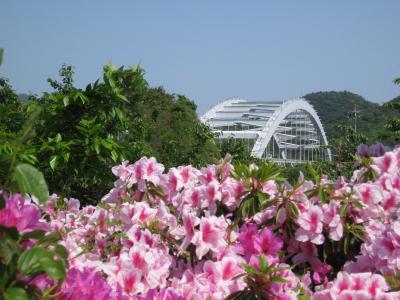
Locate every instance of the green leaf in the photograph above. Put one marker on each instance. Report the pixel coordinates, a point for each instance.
(293, 209)
(1, 55)
(114, 155)
(322, 195)
(15, 293)
(97, 147)
(244, 207)
(8, 248)
(346, 245)
(278, 279)
(252, 271)
(53, 268)
(66, 100)
(31, 181)
(2, 201)
(61, 251)
(29, 261)
(343, 209)
(35, 234)
(262, 197)
(358, 204)
(58, 138)
(53, 162)
(263, 264)
(50, 238)
(65, 156)
(12, 232)
(313, 172)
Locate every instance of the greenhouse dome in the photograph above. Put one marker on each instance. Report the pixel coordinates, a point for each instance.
(286, 132)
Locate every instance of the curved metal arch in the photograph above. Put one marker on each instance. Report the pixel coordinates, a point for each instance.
(278, 116)
(264, 121)
(214, 109)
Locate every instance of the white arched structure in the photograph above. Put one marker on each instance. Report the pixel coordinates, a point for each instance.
(287, 132)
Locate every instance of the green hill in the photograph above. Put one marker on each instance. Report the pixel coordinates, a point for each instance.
(334, 107)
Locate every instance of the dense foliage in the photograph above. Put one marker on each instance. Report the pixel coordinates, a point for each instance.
(80, 133)
(223, 231)
(393, 125)
(334, 108)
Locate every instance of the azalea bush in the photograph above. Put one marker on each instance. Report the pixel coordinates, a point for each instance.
(220, 232)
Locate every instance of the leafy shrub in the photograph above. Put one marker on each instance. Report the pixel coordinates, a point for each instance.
(235, 232)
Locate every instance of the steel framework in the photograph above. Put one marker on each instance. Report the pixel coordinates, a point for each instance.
(287, 132)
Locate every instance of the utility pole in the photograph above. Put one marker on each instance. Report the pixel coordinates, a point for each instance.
(355, 116)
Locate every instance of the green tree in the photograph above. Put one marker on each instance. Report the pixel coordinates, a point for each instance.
(336, 108)
(173, 130)
(238, 149)
(345, 147)
(81, 131)
(393, 125)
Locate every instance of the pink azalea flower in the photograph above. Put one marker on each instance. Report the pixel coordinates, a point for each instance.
(385, 164)
(130, 282)
(209, 174)
(122, 171)
(369, 194)
(231, 190)
(308, 253)
(211, 194)
(211, 235)
(145, 169)
(310, 229)
(390, 201)
(143, 213)
(222, 272)
(357, 286)
(187, 230)
(332, 219)
(269, 187)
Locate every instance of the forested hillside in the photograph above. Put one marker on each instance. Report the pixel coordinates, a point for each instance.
(335, 108)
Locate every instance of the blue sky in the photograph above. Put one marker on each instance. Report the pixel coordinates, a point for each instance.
(209, 50)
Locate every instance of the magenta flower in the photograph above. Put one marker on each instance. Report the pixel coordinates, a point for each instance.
(84, 285)
(21, 214)
(267, 243)
(246, 245)
(162, 294)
